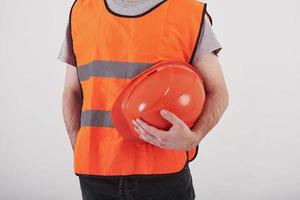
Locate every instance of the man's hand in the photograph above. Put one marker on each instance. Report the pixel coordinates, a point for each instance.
(178, 137)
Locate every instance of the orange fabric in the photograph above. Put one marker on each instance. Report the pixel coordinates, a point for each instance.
(118, 154)
(99, 97)
(165, 33)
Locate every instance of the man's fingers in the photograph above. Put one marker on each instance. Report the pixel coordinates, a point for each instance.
(150, 129)
(145, 136)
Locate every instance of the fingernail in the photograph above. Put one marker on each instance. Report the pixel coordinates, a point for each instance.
(163, 112)
(133, 122)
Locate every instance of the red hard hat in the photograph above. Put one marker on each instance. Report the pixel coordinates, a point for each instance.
(171, 85)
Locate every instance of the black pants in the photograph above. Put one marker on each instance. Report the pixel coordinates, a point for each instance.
(176, 186)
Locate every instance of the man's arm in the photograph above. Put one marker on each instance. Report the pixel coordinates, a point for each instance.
(72, 102)
(216, 95)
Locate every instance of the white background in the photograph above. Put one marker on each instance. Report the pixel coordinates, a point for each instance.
(253, 153)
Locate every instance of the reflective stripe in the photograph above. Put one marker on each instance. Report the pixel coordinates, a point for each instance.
(96, 118)
(111, 69)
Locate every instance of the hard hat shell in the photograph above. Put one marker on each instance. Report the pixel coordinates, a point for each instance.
(171, 85)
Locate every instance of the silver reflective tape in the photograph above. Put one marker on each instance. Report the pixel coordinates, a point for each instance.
(96, 118)
(111, 69)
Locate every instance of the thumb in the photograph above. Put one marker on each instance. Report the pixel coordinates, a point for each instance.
(169, 116)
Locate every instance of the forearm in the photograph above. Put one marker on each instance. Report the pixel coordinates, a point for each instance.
(214, 107)
(72, 103)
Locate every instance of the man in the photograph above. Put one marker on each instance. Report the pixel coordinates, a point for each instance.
(106, 36)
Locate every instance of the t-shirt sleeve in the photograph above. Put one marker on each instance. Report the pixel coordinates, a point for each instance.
(208, 42)
(66, 54)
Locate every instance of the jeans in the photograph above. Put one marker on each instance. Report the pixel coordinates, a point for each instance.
(177, 186)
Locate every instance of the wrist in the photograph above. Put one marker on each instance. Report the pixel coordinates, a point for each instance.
(198, 137)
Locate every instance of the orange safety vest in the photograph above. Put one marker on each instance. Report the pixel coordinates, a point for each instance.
(110, 49)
